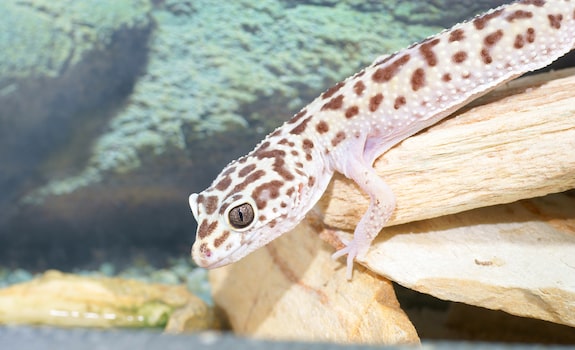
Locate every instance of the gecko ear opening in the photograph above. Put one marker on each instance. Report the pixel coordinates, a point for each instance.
(193, 200)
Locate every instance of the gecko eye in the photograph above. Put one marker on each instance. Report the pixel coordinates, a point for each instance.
(241, 216)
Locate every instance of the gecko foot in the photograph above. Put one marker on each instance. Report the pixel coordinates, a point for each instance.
(352, 252)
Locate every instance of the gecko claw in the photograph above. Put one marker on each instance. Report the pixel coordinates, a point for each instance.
(352, 252)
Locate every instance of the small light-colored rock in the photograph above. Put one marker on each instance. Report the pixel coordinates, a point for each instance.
(60, 299)
(292, 290)
(192, 317)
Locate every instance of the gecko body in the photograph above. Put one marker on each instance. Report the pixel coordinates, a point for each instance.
(269, 191)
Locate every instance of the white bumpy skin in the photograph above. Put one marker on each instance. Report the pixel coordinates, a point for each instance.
(269, 191)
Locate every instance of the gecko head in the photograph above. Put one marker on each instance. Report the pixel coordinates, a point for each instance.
(248, 205)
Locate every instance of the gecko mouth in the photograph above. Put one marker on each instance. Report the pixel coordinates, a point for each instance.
(209, 260)
(223, 261)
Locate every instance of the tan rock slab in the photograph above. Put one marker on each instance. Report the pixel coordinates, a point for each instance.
(292, 290)
(518, 257)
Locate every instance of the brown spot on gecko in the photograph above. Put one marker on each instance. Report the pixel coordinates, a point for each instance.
(297, 117)
(519, 41)
(281, 170)
(418, 79)
(229, 171)
(446, 77)
(307, 145)
(399, 101)
(205, 250)
(248, 180)
(272, 223)
(298, 129)
(459, 56)
(332, 90)
(266, 191)
(351, 112)
(211, 204)
(334, 103)
(246, 170)
(322, 127)
(262, 218)
(224, 183)
(221, 239)
(285, 141)
(200, 199)
(456, 35)
(290, 191)
(555, 21)
(340, 136)
(481, 22)
(311, 181)
(299, 164)
(205, 230)
(493, 38)
(283, 204)
(308, 157)
(384, 74)
(485, 56)
(537, 3)
(294, 153)
(426, 50)
(530, 37)
(358, 88)
(223, 208)
(262, 147)
(278, 164)
(519, 14)
(375, 101)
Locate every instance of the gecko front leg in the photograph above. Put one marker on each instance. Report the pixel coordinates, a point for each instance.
(381, 206)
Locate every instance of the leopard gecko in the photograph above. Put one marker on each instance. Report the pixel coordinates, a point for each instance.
(264, 194)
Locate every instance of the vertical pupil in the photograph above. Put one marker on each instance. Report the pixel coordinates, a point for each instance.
(241, 216)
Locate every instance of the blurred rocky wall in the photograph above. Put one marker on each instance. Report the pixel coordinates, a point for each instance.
(113, 112)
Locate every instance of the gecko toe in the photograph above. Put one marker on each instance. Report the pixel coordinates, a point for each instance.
(338, 254)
